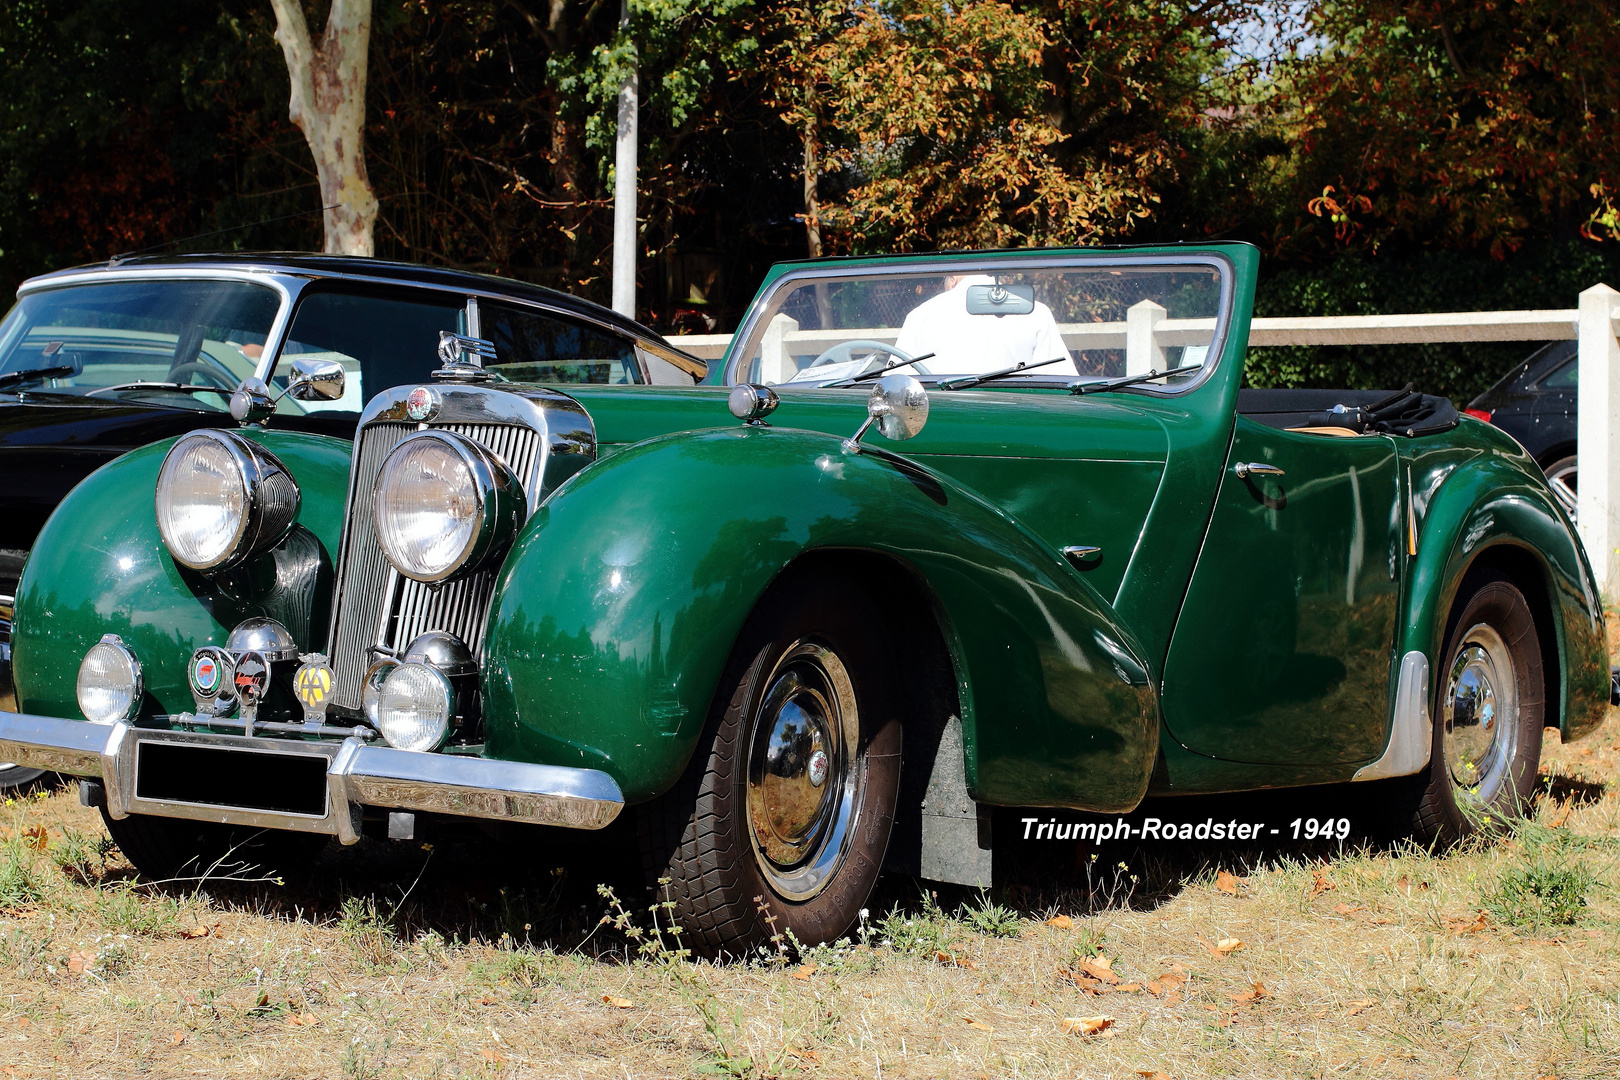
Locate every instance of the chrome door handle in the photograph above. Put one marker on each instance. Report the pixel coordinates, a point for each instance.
(1246, 469)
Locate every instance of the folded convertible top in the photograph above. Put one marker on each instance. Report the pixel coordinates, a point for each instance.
(1403, 412)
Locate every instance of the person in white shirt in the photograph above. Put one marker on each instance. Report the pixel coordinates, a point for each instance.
(967, 344)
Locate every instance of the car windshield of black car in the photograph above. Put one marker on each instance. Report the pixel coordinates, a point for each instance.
(130, 338)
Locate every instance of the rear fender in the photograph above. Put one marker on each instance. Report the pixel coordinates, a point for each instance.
(622, 600)
(1491, 510)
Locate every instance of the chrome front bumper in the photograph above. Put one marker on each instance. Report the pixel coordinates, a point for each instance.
(357, 775)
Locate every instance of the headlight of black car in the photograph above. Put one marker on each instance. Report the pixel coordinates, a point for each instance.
(221, 499)
(443, 504)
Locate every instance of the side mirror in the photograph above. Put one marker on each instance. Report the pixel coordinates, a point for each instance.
(316, 380)
(898, 405)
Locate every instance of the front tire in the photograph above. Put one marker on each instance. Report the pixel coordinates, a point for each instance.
(175, 849)
(1489, 707)
(782, 819)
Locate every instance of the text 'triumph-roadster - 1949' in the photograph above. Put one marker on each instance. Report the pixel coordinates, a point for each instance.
(795, 648)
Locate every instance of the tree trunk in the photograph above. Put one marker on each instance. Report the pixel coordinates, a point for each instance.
(812, 202)
(328, 103)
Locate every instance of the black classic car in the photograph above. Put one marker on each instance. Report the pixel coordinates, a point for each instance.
(1535, 403)
(98, 360)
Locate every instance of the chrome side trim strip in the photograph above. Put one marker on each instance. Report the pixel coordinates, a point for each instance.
(356, 775)
(1411, 735)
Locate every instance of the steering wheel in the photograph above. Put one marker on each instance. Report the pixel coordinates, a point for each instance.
(844, 352)
(209, 372)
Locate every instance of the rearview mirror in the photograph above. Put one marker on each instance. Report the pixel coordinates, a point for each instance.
(316, 380)
(1000, 299)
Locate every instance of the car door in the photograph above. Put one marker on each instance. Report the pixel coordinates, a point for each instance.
(1282, 651)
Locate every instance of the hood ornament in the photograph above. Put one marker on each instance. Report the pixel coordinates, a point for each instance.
(463, 357)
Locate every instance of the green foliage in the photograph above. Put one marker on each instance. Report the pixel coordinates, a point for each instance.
(82, 857)
(369, 931)
(1548, 884)
(128, 909)
(984, 916)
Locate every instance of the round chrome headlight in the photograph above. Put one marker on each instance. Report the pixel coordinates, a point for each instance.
(415, 705)
(222, 499)
(443, 504)
(109, 682)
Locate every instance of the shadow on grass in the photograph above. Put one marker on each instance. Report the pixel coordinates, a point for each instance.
(1569, 789)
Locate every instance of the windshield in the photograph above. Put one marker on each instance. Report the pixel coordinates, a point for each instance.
(1095, 321)
(187, 343)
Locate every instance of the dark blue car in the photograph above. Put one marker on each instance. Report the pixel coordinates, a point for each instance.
(1535, 403)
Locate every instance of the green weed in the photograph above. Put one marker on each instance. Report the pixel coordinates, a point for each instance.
(133, 911)
(21, 883)
(368, 931)
(1549, 882)
(990, 919)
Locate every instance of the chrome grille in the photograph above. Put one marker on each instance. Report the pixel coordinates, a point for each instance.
(379, 607)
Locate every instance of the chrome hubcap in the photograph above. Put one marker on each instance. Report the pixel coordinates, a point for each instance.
(801, 775)
(1563, 482)
(1481, 714)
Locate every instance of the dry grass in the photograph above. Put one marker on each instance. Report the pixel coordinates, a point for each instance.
(477, 959)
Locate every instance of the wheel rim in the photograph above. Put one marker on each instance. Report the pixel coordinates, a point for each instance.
(802, 773)
(1562, 480)
(1481, 715)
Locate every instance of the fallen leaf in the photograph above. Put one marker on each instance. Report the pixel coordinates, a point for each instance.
(36, 837)
(1226, 883)
(1152, 1074)
(1171, 979)
(1320, 885)
(1128, 988)
(488, 1001)
(198, 932)
(805, 971)
(805, 1055)
(952, 960)
(1468, 926)
(1173, 998)
(1153, 987)
(492, 1056)
(618, 1002)
(1229, 945)
(972, 1023)
(78, 961)
(1250, 996)
(1382, 922)
(1100, 968)
(1086, 1025)
(1348, 909)
(1060, 922)
(1360, 1006)
(177, 1038)
(1562, 815)
(300, 1020)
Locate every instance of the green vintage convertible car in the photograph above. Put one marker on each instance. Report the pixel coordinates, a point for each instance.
(940, 534)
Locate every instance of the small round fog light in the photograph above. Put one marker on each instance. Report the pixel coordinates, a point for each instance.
(414, 707)
(109, 682)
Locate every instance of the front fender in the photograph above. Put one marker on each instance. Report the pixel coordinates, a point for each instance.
(622, 599)
(1492, 506)
(100, 566)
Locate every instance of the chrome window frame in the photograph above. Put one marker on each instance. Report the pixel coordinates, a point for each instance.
(291, 283)
(984, 262)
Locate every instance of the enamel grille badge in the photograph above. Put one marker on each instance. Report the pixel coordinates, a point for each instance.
(313, 686)
(422, 403)
(211, 674)
(252, 677)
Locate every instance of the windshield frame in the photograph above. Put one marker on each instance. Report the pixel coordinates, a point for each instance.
(753, 327)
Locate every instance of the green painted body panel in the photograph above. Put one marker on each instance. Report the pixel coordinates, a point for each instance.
(1299, 581)
(625, 593)
(100, 567)
(620, 603)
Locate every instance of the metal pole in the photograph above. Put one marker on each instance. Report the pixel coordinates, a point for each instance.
(624, 189)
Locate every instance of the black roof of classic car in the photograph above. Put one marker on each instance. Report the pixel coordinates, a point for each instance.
(356, 266)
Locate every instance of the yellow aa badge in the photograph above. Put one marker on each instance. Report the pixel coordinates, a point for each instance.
(313, 685)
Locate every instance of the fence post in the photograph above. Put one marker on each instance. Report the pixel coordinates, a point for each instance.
(1597, 429)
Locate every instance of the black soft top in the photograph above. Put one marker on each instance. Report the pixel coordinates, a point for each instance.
(1392, 412)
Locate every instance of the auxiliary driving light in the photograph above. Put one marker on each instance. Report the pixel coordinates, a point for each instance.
(415, 705)
(109, 682)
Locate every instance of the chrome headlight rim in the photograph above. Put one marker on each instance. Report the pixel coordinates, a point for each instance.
(265, 519)
(137, 688)
(433, 738)
(502, 506)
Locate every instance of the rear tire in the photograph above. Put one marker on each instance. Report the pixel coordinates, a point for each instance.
(174, 849)
(782, 819)
(1562, 477)
(1489, 707)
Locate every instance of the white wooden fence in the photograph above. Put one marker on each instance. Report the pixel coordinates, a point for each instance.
(1593, 324)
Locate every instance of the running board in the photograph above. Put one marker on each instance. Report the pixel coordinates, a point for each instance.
(1411, 736)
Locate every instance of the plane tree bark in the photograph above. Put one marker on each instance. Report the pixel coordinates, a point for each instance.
(328, 103)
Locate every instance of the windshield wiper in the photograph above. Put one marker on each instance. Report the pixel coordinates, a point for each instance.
(12, 377)
(963, 382)
(1129, 380)
(187, 387)
(882, 371)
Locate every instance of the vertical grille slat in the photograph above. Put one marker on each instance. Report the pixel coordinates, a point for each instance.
(460, 607)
